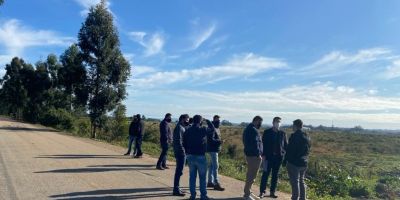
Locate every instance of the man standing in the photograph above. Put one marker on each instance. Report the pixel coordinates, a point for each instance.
(296, 157)
(179, 152)
(195, 144)
(253, 151)
(136, 131)
(274, 146)
(213, 147)
(165, 140)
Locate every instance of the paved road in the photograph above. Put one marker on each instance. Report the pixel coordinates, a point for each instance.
(39, 163)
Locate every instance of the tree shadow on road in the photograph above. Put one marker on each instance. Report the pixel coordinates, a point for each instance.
(80, 156)
(13, 128)
(134, 193)
(101, 168)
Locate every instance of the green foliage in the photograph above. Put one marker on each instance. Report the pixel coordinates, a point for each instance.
(58, 118)
(107, 68)
(388, 187)
(82, 127)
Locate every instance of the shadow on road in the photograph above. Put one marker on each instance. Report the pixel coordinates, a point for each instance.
(101, 168)
(12, 128)
(80, 156)
(134, 193)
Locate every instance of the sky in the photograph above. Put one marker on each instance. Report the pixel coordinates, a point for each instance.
(325, 62)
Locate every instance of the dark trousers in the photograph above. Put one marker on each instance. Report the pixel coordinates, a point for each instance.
(270, 165)
(180, 164)
(138, 145)
(162, 160)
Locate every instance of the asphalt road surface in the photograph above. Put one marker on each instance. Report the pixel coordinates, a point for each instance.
(40, 163)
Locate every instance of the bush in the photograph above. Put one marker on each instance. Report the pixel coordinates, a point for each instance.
(58, 118)
(82, 127)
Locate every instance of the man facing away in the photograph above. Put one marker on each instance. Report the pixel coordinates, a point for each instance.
(296, 160)
(136, 131)
(274, 145)
(195, 144)
(253, 151)
(179, 152)
(213, 147)
(165, 140)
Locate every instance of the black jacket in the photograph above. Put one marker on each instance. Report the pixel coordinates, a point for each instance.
(274, 143)
(214, 141)
(136, 128)
(195, 139)
(165, 132)
(252, 141)
(178, 139)
(298, 149)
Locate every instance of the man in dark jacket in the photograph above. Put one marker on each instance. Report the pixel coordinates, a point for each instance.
(136, 131)
(213, 147)
(296, 158)
(179, 152)
(165, 140)
(253, 151)
(274, 145)
(195, 144)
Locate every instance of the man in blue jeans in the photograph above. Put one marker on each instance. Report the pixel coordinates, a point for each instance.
(213, 147)
(179, 152)
(165, 140)
(195, 144)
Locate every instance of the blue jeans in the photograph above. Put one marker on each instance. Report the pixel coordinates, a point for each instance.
(213, 168)
(162, 160)
(138, 145)
(180, 164)
(197, 164)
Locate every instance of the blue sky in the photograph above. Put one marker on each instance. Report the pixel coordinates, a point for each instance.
(321, 61)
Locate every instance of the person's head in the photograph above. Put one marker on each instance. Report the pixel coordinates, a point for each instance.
(216, 121)
(197, 119)
(134, 118)
(138, 118)
(191, 120)
(276, 122)
(184, 119)
(168, 117)
(297, 124)
(257, 121)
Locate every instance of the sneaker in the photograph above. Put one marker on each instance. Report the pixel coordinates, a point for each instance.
(165, 167)
(218, 187)
(262, 194)
(192, 198)
(127, 154)
(205, 198)
(254, 197)
(210, 185)
(179, 193)
(272, 195)
(159, 168)
(137, 157)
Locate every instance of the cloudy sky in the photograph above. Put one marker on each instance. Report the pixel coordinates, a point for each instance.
(321, 61)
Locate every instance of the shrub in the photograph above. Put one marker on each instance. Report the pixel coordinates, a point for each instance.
(58, 118)
(82, 127)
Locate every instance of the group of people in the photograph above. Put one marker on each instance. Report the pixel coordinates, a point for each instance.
(191, 140)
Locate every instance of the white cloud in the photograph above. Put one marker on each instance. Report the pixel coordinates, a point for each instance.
(153, 43)
(338, 62)
(17, 37)
(393, 71)
(201, 36)
(141, 70)
(240, 66)
(87, 4)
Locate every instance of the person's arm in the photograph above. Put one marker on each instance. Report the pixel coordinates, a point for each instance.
(264, 141)
(210, 127)
(285, 142)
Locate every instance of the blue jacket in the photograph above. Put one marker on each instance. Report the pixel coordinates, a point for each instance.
(252, 141)
(195, 139)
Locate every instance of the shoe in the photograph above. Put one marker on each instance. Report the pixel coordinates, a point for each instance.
(205, 198)
(272, 195)
(127, 154)
(254, 197)
(179, 193)
(192, 198)
(210, 185)
(218, 187)
(160, 168)
(165, 167)
(137, 156)
(262, 194)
